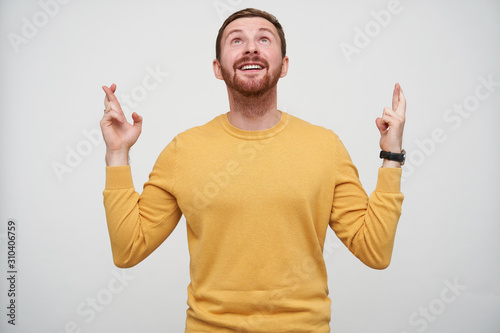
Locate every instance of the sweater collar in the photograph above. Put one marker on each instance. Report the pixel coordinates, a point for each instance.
(254, 135)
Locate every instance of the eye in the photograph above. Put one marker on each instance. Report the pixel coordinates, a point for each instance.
(236, 41)
(264, 40)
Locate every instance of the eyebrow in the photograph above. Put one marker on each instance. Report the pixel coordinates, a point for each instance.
(261, 29)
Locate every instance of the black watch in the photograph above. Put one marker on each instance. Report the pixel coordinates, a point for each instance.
(393, 156)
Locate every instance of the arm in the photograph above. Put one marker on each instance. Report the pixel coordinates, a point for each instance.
(137, 224)
(367, 226)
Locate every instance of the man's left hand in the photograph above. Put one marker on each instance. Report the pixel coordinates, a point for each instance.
(392, 122)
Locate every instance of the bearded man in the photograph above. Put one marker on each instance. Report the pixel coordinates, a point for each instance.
(258, 188)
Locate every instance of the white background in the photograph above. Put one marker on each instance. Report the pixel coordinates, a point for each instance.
(50, 82)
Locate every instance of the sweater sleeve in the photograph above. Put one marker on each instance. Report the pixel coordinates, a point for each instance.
(366, 225)
(138, 224)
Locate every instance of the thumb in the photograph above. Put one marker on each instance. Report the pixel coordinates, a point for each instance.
(137, 120)
(381, 125)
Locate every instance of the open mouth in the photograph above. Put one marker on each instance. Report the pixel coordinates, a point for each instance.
(251, 67)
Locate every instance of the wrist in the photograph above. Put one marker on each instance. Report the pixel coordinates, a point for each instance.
(117, 157)
(394, 149)
(391, 164)
(393, 159)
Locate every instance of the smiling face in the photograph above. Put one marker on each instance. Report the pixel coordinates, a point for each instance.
(251, 62)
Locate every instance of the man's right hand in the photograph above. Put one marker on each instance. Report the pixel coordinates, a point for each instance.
(118, 134)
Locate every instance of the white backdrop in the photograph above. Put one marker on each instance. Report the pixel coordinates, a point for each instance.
(345, 57)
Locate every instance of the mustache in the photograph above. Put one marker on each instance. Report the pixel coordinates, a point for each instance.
(247, 59)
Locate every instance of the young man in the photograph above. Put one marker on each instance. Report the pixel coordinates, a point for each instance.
(258, 188)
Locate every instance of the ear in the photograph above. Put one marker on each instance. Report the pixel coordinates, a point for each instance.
(217, 69)
(284, 67)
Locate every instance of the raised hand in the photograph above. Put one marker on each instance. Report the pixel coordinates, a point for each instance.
(392, 122)
(118, 134)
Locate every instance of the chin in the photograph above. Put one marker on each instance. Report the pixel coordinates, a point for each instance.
(253, 87)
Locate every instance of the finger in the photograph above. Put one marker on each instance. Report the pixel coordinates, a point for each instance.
(110, 95)
(402, 103)
(113, 105)
(114, 115)
(106, 99)
(137, 120)
(388, 120)
(390, 112)
(392, 118)
(381, 125)
(395, 96)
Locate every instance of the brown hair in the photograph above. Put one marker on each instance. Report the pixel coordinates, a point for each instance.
(251, 12)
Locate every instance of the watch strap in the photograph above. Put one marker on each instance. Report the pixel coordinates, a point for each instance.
(399, 157)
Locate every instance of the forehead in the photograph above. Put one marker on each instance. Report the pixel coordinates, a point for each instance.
(250, 24)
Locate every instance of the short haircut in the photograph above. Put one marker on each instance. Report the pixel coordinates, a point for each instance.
(251, 12)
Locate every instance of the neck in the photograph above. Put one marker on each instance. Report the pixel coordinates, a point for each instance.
(253, 113)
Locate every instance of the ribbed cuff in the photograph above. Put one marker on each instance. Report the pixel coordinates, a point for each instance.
(389, 180)
(118, 177)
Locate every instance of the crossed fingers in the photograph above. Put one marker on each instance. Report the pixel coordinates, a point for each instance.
(112, 108)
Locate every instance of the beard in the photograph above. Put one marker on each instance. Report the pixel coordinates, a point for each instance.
(251, 86)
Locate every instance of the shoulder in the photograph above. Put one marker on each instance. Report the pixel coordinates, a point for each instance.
(206, 129)
(312, 131)
(195, 140)
(199, 135)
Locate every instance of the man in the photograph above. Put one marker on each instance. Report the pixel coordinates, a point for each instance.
(258, 188)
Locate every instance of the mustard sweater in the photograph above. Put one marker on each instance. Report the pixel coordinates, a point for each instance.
(257, 206)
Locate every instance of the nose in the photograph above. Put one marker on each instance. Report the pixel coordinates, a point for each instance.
(252, 48)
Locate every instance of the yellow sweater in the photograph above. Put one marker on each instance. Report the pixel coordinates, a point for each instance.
(257, 206)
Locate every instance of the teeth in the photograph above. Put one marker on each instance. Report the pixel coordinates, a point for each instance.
(251, 67)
